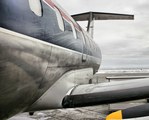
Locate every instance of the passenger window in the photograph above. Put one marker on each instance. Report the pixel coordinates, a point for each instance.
(90, 43)
(74, 30)
(94, 47)
(36, 7)
(87, 41)
(83, 38)
(59, 19)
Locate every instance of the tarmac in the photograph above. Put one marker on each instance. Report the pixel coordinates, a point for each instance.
(87, 113)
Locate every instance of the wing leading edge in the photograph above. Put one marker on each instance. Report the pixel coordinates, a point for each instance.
(106, 93)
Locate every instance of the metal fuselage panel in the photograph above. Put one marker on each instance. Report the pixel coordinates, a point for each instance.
(34, 54)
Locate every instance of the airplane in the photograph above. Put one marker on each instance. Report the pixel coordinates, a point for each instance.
(47, 60)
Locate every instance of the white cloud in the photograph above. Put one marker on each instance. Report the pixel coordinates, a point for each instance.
(142, 1)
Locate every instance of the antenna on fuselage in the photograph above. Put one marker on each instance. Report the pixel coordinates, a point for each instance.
(91, 16)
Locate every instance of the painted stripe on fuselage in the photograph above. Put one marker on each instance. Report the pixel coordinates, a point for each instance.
(40, 41)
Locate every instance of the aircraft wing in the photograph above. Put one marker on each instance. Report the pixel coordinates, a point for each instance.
(106, 93)
(133, 112)
(102, 16)
(126, 77)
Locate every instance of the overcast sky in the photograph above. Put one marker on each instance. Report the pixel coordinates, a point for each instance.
(124, 44)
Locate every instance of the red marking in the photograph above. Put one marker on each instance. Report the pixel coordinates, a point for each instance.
(50, 3)
(62, 13)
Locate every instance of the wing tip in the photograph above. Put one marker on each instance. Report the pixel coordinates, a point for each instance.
(115, 115)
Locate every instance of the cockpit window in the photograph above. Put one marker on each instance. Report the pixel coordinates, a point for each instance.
(36, 7)
(59, 19)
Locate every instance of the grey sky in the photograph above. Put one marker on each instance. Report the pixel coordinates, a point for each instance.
(122, 43)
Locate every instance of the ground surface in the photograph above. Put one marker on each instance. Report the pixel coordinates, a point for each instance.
(87, 113)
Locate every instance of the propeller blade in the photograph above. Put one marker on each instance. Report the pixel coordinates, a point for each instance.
(133, 112)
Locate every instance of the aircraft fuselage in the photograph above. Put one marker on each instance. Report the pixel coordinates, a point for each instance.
(35, 53)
